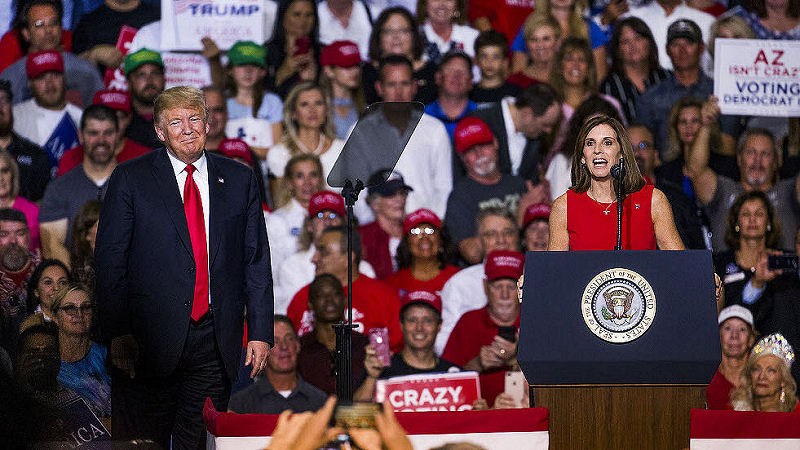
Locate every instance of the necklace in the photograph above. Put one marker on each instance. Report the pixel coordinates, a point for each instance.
(606, 211)
(316, 151)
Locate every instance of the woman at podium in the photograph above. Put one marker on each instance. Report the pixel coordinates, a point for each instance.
(585, 217)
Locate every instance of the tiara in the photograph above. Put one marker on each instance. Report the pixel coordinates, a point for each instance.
(775, 344)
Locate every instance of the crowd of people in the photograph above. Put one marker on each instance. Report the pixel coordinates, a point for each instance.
(526, 108)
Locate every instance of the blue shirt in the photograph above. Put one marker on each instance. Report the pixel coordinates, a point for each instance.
(271, 109)
(597, 38)
(88, 378)
(435, 109)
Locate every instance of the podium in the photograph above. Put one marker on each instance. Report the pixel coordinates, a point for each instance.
(619, 345)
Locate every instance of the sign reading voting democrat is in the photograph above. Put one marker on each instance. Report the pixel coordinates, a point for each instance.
(185, 22)
(756, 77)
(430, 392)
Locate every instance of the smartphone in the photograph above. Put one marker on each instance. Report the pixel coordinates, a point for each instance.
(379, 338)
(302, 46)
(780, 262)
(356, 415)
(508, 333)
(516, 386)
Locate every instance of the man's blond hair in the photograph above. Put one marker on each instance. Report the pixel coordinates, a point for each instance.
(180, 97)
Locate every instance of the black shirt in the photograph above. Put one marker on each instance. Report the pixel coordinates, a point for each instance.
(102, 25)
(141, 130)
(400, 367)
(481, 95)
(261, 398)
(34, 167)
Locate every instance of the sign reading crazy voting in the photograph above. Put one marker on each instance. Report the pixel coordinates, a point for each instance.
(755, 77)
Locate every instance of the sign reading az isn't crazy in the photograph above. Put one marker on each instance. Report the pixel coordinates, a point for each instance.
(757, 77)
(434, 392)
(186, 22)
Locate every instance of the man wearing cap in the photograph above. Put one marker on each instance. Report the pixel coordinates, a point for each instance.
(736, 336)
(660, 14)
(325, 208)
(47, 119)
(496, 229)
(420, 320)
(125, 148)
(345, 19)
(341, 63)
(375, 304)
(454, 82)
(518, 124)
(88, 181)
(536, 228)
(684, 48)
(144, 71)
(381, 237)
(483, 186)
(34, 167)
(484, 340)
(80, 76)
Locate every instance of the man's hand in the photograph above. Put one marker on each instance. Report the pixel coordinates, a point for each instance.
(614, 9)
(490, 357)
(123, 353)
(372, 363)
(505, 401)
(257, 353)
(305, 431)
(471, 250)
(107, 55)
(504, 349)
(534, 195)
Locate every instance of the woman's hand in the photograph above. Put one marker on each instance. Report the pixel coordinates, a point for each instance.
(710, 111)
(210, 48)
(763, 275)
(372, 363)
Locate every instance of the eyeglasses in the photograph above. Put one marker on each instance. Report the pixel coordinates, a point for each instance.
(72, 310)
(327, 215)
(42, 23)
(418, 231)
(642, 146)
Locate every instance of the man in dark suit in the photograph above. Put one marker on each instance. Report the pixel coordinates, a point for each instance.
(172, 297)
(518, 125)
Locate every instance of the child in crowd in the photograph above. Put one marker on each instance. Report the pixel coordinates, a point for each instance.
(253, 115)
(341, 79)
(491, 57)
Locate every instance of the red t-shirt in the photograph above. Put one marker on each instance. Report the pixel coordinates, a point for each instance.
(74, 156)
(375, 305)
(404, 281)
(521, 80)
(718, 393)
(474, 330)
(506, 16)
(590, 228)
(375, 249)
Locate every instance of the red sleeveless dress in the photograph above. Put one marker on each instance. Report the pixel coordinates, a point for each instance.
(591, 228)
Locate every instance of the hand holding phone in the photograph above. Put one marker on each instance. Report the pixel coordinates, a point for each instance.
(379, 338)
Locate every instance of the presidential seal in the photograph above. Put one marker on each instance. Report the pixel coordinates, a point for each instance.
(618, 305)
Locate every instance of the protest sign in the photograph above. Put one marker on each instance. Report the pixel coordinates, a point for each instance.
(185, 22)
(114, 78)
(430, 392)
(756, 77)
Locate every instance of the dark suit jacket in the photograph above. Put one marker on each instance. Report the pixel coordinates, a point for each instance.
(145, 267)
(529, 168)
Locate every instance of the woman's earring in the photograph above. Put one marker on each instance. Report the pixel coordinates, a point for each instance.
(769, 227)
(736, 228)
(783, 396)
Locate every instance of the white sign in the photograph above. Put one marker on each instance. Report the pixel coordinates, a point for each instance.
(186, 22)
(186, 69)
(755, 77)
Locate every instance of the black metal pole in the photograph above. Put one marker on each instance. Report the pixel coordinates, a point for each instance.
(618, 173)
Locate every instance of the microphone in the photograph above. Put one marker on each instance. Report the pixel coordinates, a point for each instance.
(618, 170)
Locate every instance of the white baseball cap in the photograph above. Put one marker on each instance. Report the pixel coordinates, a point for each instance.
(737, 311)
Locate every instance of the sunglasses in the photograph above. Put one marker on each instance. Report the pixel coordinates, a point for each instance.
(418, 231)
(72, 310)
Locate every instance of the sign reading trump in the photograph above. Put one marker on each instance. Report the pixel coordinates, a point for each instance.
(185, 22)
(755, 77)
(430, 392)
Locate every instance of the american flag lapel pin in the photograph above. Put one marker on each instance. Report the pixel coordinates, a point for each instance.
(222, 180)
(636, 205)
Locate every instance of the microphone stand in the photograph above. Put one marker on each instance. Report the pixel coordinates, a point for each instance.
(618, 172)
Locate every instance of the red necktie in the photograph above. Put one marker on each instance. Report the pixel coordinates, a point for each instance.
(193, 206)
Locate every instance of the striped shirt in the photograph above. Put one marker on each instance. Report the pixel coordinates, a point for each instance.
(625, 91)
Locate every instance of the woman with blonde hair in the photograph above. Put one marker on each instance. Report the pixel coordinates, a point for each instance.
(766, 380)
(585, 218)
(308, 129)
(343, 84)
(541, 41)
(10, 198)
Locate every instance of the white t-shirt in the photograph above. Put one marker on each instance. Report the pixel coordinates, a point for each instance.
(284, 226)
(37, 124)
(463, 292)
(559, 175)
(426, 165)
(279, 156)
(358, 28)
(462, 36)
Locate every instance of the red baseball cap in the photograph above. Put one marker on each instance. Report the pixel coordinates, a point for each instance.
(326, 200)
(419, 216)
(504, 264)
(116, 100)
(235, 148)
(44, 61)
(537, 211)
(340, 54)
(428, 298)
(471, 131)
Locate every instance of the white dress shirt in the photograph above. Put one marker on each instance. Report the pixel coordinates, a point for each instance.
(516, 140)
(463, 292)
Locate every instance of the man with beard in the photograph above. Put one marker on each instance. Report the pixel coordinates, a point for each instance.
(66, 194)
(484, 186)
(125, 148)
(42, 31)
(17, 263)
(34, 168)
(736, 336)
(144, 70)
(757, 157)
(47, 119)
